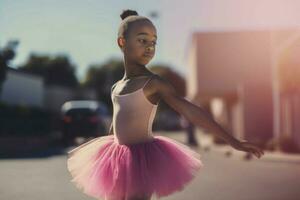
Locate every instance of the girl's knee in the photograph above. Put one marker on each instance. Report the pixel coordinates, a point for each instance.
(140, 198)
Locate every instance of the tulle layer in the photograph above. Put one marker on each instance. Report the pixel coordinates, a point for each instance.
(103, 168)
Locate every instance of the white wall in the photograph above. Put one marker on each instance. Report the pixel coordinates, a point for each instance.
(22, 89)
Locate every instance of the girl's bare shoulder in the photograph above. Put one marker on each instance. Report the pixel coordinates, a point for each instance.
(161, 85)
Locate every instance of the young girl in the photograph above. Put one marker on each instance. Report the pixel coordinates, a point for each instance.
(131, 163)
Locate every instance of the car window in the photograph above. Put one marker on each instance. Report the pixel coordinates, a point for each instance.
(80, 111)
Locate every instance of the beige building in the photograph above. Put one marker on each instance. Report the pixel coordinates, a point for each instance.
(234, 73)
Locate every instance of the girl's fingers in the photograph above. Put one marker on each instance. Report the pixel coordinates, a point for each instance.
(255, 150)
(259, 151)
(256, 153)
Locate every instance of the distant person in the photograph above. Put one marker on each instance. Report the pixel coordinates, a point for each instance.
(131, 163)
(190, 131)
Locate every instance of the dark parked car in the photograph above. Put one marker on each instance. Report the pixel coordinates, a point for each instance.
(83, 118)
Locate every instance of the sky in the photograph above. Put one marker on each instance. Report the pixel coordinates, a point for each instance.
(86, 30)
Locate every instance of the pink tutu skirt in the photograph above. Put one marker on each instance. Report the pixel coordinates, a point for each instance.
(102, 168)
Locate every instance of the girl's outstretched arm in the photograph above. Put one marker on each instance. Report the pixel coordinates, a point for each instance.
(198, 115)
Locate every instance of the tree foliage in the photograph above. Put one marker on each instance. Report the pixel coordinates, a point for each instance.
(56, 70)
(7, 53)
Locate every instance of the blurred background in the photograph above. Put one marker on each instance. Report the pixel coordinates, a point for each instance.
(238, 60)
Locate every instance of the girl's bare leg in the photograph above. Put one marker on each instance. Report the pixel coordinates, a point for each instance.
(106, 198)
(132, 198)
(140, 198)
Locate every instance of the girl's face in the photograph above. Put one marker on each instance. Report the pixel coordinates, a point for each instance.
(139, 46)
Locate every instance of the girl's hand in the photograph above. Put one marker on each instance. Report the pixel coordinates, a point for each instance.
(250, 147)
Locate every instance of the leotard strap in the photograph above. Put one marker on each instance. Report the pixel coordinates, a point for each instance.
(148, 80)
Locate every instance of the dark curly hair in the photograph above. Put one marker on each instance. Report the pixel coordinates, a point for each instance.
(129, 17)
(127, 13)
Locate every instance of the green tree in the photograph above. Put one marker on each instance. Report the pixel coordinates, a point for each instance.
(56, 70)
(101, 77)
(7, 53)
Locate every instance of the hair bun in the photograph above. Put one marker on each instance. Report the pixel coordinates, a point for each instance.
(127, 13)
